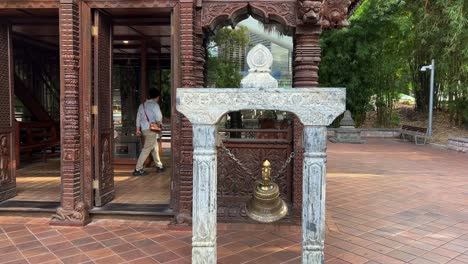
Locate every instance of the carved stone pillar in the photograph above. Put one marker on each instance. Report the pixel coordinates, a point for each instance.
(316, 108)
(204, 194)
(313, 188)
(306, 60)
(72, 210)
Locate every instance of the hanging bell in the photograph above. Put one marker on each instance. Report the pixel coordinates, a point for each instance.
(266, 206)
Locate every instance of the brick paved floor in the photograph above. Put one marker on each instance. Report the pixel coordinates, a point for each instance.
(387, 202)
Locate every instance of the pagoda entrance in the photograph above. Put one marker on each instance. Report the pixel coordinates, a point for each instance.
(130, 50)
(30, 106)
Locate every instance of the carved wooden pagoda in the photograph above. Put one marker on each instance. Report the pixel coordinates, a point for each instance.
(85, 30)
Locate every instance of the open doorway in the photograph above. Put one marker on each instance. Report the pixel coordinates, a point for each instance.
(139, 60)
(33, 37)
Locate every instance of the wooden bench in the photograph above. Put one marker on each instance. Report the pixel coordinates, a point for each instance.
(415, 132)
(36, 137)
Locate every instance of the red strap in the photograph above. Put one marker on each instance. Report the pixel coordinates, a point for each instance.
(144, 108)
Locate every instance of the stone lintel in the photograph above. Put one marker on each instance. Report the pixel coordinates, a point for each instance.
(313, 106)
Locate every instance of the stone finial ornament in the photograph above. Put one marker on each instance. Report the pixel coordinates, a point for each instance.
(259, 60)
(334, 13)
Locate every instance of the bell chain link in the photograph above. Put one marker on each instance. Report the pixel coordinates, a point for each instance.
(239, 163)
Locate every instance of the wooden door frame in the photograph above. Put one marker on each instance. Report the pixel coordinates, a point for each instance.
(9, 133)
(86, 119)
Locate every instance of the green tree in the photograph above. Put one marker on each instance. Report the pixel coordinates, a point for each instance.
(440, 32)
(382, 51)
(368, 59)
(224, 68)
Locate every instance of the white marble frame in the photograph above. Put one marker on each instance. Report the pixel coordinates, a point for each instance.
(315, 107)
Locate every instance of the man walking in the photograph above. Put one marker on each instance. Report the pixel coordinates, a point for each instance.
(149, 112)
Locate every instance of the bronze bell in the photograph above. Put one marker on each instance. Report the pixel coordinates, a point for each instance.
(266, 206)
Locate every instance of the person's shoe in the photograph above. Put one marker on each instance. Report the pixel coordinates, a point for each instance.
(160, 169)
(139, 172)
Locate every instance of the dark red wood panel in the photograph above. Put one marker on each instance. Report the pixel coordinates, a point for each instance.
(103, 125)
(7, 132)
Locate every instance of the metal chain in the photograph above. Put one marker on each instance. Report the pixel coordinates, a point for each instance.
(286, 163)
(238, 162)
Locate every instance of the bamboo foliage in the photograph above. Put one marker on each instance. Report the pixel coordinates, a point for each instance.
(387, 43)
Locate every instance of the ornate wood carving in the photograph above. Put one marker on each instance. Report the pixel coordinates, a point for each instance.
(235, 186)
(29, 4)
(104, 171)
(187, 36)
(296, 210)
(217, 14)
(7, 149)
(213, 11)
(78, 214)
(131, 3)
(7, 169)
(86, 104)
(284, 13)
(306, 57)
(175, 116)
(191, 75)
(308, 11)
(334, 13)
(70, 112)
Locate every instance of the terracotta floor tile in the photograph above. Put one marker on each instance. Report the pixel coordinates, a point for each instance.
(132, 255)
(43, 258)
(401, 255)
(114, 259)
(353, 258)
(146, 260)
(60, 246)
(34, 251)
(11, 256)
(368, 216)
(67, 252)
(81, 258)
(166, 257)
(100, 253)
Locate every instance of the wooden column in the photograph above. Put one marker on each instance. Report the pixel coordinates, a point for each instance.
(204, 194)
(143, 71)
(181, 128)
(159, 71)
(313, 188)
(8, 126)
(306, 56)
(72, 210)
(86, 69)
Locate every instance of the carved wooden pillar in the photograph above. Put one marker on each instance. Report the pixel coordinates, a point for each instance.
(313, 188)
(199, 50)
(204, 194)
(72, 210)
(306, 56)
(184, 20)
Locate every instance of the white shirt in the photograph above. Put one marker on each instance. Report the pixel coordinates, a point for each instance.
(152, 110)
